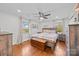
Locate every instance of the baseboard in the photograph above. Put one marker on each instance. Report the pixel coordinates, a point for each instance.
(21, 42)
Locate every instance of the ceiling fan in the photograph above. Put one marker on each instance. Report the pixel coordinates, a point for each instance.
(42, 15)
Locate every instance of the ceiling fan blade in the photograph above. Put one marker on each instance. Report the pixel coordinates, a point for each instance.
(48, 15)
(45, 17)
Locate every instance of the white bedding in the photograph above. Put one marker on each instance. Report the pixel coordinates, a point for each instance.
(48, 36)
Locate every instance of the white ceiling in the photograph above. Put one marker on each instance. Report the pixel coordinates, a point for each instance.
(60, 10)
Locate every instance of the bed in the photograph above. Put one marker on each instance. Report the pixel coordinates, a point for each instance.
(49, 34)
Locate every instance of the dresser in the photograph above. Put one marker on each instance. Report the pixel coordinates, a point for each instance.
(5, 44)
(74, 39)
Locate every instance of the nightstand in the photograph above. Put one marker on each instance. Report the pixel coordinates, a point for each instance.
(62, 37)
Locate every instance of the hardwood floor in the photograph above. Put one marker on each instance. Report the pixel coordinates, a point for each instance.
(25, 49)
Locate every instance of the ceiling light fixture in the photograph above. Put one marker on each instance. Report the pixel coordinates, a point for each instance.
(57, 17)
(18, 10)
(41, 18)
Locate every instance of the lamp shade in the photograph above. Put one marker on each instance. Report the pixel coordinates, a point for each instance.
(77, 7)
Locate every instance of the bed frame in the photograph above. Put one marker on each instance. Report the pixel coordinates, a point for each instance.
(42, 45)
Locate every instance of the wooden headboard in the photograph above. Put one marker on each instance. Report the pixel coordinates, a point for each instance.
(48, 29)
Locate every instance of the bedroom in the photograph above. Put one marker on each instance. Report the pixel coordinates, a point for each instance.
(39, 29)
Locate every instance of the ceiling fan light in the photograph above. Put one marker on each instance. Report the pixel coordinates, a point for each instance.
(41, 18)
(18, 10)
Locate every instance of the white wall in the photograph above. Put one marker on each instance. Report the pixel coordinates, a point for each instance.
(10, 24)
(46, 23)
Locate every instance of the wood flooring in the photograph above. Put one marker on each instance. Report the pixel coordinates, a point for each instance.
(25, 49)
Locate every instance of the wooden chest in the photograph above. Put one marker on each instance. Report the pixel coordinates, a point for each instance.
(38, 43)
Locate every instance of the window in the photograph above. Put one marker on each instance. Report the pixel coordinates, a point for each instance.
(25, 26)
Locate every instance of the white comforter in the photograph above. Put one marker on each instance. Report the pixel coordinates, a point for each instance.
(48, 36)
